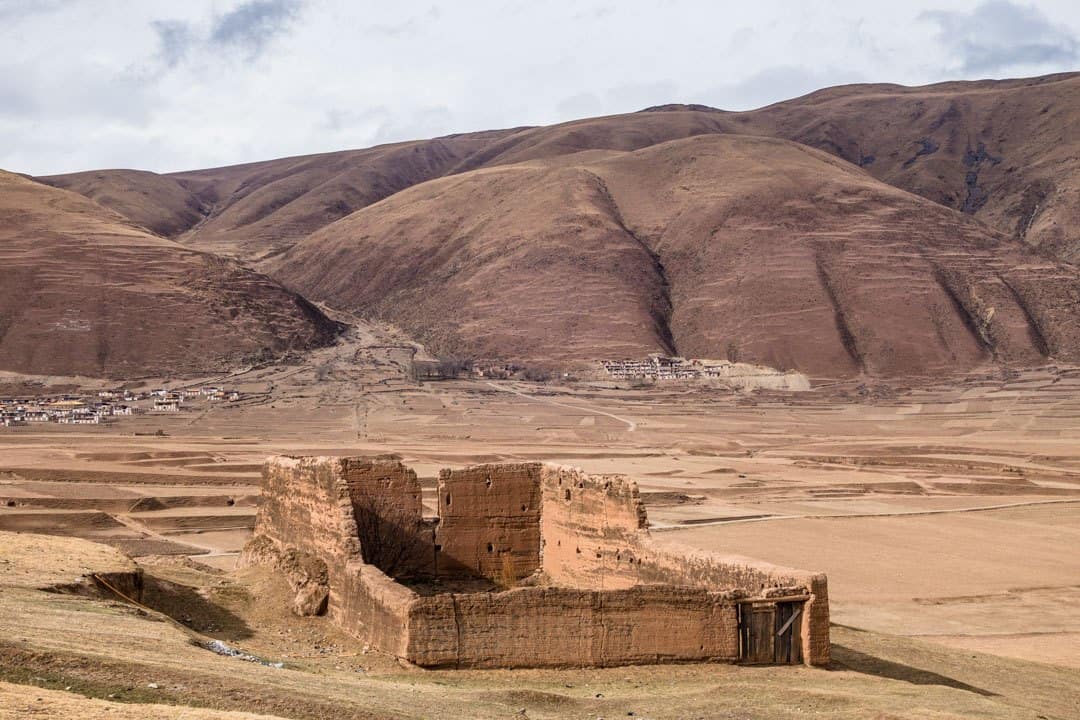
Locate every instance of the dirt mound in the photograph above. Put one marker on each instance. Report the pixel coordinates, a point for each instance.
(85, 292)
(41, 562)
(718, 246)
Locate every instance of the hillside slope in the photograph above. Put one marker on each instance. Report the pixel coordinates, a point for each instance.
(1004, 151)
(256, 210)
(87, 292)
(716, 246)
(1007, 152)
(156, 202)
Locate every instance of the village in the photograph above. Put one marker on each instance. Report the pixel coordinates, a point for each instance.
(106, 405)
(662, 367)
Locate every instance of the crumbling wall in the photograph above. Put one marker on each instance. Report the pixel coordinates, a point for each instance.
(608, 594)
(595, 535)
(387, 505)
(489, 521)
(591, 528)
(555, 626)
(307, 518)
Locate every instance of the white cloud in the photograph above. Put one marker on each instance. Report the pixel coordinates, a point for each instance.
(167, 86)
(1000, 35)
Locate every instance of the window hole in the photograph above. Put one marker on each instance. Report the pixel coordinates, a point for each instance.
(491, 548)
(566, 495)
(448, 499)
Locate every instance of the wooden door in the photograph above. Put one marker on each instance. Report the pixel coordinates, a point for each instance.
(770, 632)
(757, 627)
(788, 633)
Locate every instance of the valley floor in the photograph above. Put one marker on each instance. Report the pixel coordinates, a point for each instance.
(947, 518)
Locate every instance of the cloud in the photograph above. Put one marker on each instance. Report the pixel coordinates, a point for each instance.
(251, 25)
(999, 34)
(13, 10)
(248, 28)
(175, 38)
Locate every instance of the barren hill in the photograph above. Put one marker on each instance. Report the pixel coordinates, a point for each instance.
(86, 292)
(754, 249)
(1004, 151)
(1007, 152)
(157, 202)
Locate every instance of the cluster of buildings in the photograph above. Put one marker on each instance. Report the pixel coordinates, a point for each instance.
(104, 406)
(166, 400)
(662, 367)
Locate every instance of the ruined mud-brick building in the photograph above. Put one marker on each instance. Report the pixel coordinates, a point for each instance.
(524, 565)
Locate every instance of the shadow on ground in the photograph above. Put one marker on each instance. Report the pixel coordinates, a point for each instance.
(193, 609)
(845, 658)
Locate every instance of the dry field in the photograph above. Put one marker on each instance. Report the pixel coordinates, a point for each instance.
(947, 518)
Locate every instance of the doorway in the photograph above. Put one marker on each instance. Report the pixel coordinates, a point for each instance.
(770, 632)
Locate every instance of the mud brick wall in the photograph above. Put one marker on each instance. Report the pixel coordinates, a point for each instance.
(388, 508)
(307, 509)
(608, 593)
(592, 527)
(552, 627)
(685, 565)
(595, 535)
(489, 521)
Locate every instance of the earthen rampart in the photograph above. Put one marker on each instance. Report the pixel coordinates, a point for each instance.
(524, 565)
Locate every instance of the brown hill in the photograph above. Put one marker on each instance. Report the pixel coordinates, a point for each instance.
(86, 292)
(1007, 151)
(1004, 151)
(157, 202)
(258, 209)
(753, 249)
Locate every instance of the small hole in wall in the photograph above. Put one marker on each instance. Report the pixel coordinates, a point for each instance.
(488, 481)
(11, 503)
(230, 502)
(598, 556)
(447, 498)
(617, 558)
(566, 495)
(577, 550)
(558, 543)
(524, 508)
(491, 548)
(438, 548)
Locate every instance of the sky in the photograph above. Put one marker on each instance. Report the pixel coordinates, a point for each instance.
(170, 85)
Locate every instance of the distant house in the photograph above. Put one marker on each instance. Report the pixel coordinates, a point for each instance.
(12, 419)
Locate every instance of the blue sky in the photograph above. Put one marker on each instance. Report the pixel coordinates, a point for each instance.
(169, 86)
